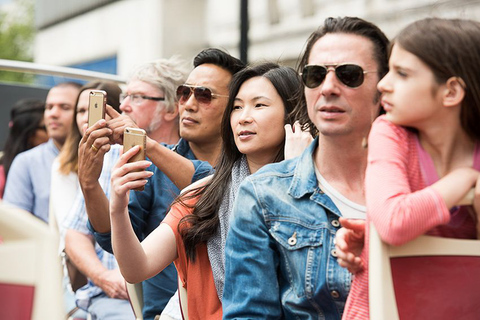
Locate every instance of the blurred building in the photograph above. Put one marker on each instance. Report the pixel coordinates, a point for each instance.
(113, 36)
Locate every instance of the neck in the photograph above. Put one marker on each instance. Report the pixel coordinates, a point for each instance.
(206, 151)
(166, 133)
(255, 163)
(448, 145)
(58, 144)
(342, 161)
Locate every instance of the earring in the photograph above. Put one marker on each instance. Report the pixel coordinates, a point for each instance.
(364, 142)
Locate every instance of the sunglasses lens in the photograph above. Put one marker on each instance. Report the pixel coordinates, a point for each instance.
(350, 74)
(183, 93)
(313, 76)
(202, 94)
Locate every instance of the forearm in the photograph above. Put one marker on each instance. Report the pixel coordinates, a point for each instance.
(81, 250)
(127, 248)
(454, 186)
(177, 168)
(97, 207)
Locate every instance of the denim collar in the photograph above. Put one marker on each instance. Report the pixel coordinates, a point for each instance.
(183, 148)
(305, 180)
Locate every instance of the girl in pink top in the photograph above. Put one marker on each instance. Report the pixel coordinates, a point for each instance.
(424, 154)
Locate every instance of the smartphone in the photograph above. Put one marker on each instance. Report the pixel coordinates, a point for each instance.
(96, 106)
(135, 137)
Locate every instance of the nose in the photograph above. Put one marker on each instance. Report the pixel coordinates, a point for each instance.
(245, 116)
(330, 85)
(84, 118)
(125, 106)
(384, 84)
(191, 104)
(54, 111)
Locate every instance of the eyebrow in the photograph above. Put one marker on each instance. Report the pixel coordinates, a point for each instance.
(256, 98)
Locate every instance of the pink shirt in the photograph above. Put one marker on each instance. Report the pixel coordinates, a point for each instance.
(400, 202)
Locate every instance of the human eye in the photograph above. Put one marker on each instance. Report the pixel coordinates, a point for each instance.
(260, 105)
(236, 107)
(66, 107)
(402, 73)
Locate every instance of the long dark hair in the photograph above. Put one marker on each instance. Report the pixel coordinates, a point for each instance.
(25, 118)
(203, 223)
(450, 48)
(348, 25)
(68, 156)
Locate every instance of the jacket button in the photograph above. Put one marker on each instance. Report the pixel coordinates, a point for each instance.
(293, 239)
(334, 253)
(335, 223)
(335, 294)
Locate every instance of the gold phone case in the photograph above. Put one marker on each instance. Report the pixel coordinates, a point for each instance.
(96, 106)
(135, 137)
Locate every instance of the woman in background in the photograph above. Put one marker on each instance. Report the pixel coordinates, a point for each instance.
(26, 130)
(64, 182)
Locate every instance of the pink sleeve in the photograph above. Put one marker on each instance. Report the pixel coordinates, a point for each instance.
(399, 210)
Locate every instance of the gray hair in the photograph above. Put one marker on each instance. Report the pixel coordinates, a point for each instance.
(166, 75)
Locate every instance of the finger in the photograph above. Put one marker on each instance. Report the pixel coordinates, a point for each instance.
(98, 134)
(97, 125)
(288, 129)
(112, 112)
(297, 126)
(122, 187)
(84, 127)
(353, 224)
(127, 156)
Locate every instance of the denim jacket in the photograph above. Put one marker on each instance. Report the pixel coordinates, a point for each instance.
(280, 254)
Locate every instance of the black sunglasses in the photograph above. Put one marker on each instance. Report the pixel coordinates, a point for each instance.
(349, 74)
(202, 94)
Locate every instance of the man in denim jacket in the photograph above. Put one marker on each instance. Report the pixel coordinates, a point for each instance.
(280, 253)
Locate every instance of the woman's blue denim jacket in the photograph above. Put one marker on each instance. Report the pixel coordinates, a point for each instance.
(280, 254)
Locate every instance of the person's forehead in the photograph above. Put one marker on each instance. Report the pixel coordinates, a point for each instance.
(335, 48)
(210, 76)
(139, 86)
(84, 97)
(66, 95)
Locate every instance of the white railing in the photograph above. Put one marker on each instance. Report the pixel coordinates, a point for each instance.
(36, 68)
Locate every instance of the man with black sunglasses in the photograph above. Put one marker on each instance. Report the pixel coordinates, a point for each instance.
(200, 116)
(294, 206)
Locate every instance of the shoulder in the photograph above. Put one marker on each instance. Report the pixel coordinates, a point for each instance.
(381, 126)
(197, 184)
(32, 154)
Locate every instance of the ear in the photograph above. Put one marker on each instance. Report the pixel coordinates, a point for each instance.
(454, 92)
(171, 116)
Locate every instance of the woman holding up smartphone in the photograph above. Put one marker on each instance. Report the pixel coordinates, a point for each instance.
(64, 179)
(193, 233)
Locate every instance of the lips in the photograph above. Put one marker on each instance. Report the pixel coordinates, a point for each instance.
(189, 121)
(331, 109)
(246, 133)
(386, 105)
(53, 125)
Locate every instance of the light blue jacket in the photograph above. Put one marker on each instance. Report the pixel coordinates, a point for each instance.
(280, 254)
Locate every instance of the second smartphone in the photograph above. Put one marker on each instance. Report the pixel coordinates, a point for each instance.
(135, 137)
(96, 106)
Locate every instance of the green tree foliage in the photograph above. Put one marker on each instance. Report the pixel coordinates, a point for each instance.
(17, 33)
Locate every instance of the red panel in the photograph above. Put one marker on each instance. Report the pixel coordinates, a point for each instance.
(446, 287)
(16, 301)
